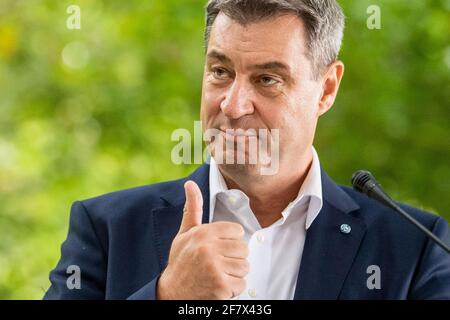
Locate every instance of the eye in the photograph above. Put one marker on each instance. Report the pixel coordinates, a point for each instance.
(268, 81)
(220, 73)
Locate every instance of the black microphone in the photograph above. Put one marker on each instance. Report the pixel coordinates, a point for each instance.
(364, 182)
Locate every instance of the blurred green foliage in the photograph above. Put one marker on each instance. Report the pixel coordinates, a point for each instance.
(85, 112)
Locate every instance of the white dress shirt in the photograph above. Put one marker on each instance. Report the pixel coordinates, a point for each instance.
(275, 251)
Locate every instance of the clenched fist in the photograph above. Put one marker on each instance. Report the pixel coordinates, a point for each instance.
(206, 261)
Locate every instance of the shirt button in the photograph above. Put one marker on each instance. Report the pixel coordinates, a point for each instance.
(260, 237)
(252, 292)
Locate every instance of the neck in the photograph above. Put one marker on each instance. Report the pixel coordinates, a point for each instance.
(269, 195)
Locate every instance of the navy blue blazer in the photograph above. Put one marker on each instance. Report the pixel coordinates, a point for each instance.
(121, 243)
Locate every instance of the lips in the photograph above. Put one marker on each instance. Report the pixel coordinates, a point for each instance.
(239, 132)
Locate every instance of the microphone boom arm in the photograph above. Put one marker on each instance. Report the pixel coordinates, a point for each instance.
(364, 182)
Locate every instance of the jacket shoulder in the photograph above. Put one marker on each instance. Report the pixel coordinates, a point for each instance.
(373, 211)
(138, 199)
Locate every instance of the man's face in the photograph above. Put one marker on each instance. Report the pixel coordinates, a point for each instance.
(258, 76)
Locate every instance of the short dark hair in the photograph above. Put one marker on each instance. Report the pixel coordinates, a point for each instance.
(323, 20)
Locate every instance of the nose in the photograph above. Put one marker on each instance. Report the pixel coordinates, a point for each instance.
(237, 102)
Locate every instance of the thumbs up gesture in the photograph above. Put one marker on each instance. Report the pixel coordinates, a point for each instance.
(206, 261)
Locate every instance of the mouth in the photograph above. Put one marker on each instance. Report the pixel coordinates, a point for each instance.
(227, 132)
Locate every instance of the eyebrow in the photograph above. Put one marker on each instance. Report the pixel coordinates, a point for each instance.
(272, 65)
(264, 66)
(219, 56)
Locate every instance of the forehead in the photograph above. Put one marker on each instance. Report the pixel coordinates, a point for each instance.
(281, 37)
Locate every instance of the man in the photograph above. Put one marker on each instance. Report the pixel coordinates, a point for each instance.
(228, 231)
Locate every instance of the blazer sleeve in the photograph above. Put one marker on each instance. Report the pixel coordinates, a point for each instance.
(147, 292)
(82, 250)
(432, 279)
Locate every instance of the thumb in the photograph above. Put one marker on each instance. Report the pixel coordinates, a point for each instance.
(193, 208)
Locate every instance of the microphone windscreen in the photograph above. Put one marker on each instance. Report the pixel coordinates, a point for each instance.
(360, 178)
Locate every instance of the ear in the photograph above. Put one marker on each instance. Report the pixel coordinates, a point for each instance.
(330, 86)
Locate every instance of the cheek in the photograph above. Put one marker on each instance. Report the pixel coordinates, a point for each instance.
(305, 103)
(210, 104)
(298, 120)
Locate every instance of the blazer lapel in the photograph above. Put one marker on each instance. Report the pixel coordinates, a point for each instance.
(328, 253)
(167, 220)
